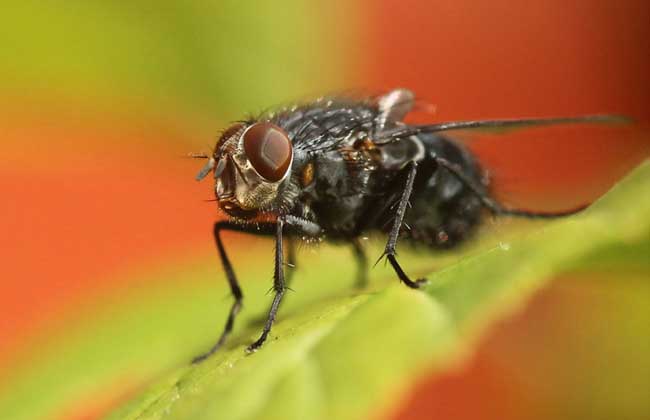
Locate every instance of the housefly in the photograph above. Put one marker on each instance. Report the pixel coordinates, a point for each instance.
(338, 168)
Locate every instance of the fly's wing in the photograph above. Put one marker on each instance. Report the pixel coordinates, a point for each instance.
(326, 123)
(492, 126)
(393, 107)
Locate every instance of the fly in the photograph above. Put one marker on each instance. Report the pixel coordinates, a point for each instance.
(337, 169)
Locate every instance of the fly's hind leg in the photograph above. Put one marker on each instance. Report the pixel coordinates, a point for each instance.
(389, 251)
(496, 208)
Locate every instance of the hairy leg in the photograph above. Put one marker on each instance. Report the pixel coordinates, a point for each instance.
(390, 251)
(235, 289)
(495, 207)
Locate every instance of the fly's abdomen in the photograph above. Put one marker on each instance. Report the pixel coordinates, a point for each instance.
(443, 211)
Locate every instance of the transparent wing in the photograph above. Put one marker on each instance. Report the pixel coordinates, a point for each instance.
(495, 126)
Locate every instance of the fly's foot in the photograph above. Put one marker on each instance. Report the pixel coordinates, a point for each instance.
(256, 345)
(402, 275)
(418, 284)
(217, 346)
(202, 357)
(199, 359)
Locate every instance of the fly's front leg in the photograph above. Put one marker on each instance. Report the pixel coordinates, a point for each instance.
(231, 277)
(279, 285)
(389, 251)
(288, 274)
(291, 260)
(279, 288)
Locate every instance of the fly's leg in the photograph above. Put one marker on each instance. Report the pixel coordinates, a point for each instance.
(279, 285)
(495, 207)
(389, 251)
(362, 264)
(234, 289)
(288, 274)
(279, 288)
(288, 277)
(232, 279)
(291, 260)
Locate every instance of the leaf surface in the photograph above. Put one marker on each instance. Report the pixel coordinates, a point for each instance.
(334, 352)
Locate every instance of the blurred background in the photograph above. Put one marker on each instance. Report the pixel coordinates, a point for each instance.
(100, 101)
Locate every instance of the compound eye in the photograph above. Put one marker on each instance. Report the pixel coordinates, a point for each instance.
(268, 149)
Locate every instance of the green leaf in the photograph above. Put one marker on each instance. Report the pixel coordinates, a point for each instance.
(334, 352)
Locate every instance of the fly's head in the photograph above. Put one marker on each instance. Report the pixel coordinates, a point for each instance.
(250, 162)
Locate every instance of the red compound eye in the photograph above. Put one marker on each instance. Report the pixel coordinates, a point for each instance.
(268, 149)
